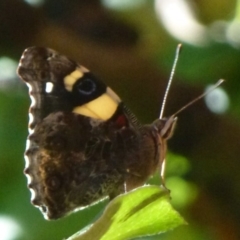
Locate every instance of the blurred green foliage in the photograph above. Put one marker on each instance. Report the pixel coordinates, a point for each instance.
(204, 180)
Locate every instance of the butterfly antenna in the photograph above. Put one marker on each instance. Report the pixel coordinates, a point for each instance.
(217, 84)
(178, 50)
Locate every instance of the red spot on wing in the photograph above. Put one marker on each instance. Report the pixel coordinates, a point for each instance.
(121, 121)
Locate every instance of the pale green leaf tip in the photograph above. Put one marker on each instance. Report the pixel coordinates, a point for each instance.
(140, 212)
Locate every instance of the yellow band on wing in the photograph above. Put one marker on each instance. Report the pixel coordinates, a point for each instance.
(70, 79)
(102, 107)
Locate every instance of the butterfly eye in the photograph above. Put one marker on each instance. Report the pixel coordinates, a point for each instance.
(87, 86)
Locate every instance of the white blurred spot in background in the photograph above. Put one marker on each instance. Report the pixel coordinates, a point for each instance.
(179, 19)
(9, 228)
(7, 68)
(8, 73)
(233, 33)
(217, 101)
(122, 4)
(35, 3)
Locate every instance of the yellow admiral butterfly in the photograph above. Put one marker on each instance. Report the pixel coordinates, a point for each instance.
(84, 144)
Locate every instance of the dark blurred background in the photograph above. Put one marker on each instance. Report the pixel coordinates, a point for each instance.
(131, 45)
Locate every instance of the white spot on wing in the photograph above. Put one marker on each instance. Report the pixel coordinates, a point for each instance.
(31, 119)
(27, 162)
(49, 87)
(29, 179)
(33, 194)
(28, 143)
(29, 86)
(33, 100)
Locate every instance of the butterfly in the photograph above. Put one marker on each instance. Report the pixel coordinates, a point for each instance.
(84, 143)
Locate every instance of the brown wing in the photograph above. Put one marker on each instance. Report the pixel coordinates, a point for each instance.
(69, 164)
(76, 154)
(75, 161)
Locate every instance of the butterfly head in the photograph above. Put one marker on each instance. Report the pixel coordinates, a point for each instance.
(165, 126)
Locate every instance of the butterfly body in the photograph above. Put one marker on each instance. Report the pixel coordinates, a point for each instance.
(84, 144)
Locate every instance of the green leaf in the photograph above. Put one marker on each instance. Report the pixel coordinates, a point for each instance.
(143, 211)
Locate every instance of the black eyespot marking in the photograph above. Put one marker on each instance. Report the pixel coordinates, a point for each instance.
(86, 89)
(87, 86)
